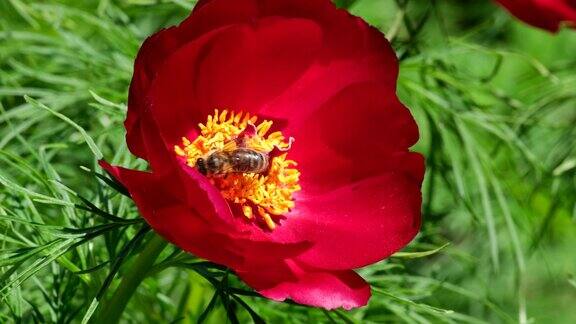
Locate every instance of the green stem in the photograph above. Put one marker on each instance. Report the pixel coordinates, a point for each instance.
(113, 309)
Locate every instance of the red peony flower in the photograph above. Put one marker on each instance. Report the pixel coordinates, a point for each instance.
(308, 111)
(545, 14)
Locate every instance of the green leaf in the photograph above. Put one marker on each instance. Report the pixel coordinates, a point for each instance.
(93, 147)
(415, 255)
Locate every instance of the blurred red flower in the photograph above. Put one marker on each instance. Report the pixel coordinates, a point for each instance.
(545, 14)
(344, 195)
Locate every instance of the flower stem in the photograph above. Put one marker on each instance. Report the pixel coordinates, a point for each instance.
(113, 309)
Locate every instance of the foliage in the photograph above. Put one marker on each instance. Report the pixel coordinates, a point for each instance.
(495, 103)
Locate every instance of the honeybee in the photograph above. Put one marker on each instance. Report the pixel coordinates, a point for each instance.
(237, 160)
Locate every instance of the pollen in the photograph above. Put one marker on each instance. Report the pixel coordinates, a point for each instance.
(263, 197)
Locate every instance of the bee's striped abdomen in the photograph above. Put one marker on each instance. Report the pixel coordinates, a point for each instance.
(248, 161)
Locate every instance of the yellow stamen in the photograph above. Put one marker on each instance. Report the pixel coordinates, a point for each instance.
(247, 211)
(271, 193)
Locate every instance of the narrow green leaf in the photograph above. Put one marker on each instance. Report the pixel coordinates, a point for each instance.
(93, 147)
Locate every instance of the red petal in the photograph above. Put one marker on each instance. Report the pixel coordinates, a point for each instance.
(326, 289)
(174, 219)
(189, 228)
(152, 54)
(361, 132)
(182, 206)
(355, 225)
(545, 14)
(239, 69)
(159, 47)
(359, 182)
(343, 36)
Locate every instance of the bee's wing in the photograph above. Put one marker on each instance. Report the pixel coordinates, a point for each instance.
(230, 146)
(227, 168)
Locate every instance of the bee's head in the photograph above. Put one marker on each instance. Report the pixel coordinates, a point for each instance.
(201, 166)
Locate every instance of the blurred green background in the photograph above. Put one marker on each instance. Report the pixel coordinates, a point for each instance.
(496, 104)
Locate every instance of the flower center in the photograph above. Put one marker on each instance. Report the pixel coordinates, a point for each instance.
(249, 167)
